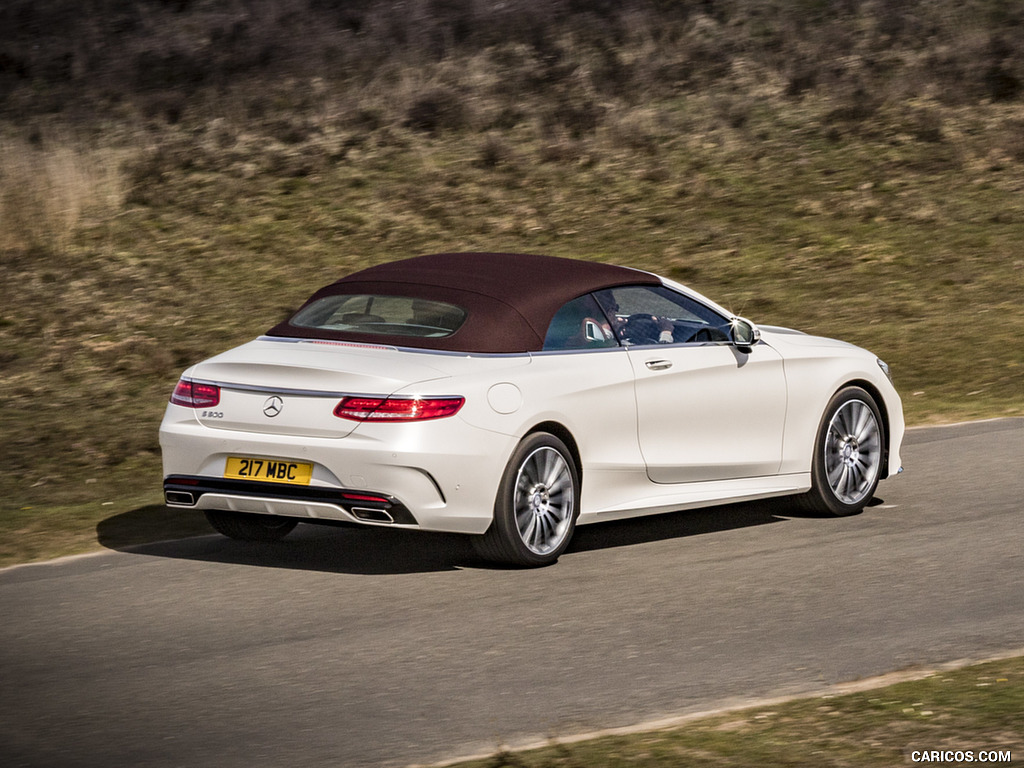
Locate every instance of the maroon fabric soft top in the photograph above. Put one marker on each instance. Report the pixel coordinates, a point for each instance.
(509, 298)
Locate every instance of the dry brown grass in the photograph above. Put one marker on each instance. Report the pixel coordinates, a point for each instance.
(50, 187)
(175, 176)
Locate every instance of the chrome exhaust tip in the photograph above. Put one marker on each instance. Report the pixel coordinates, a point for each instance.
(371, 515)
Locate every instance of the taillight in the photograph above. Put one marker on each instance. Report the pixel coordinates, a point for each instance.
(193, 394)
(397, 409)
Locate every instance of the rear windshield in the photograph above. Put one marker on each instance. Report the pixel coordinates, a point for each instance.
(385, 315)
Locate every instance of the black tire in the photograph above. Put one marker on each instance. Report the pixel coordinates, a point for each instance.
(849, 451)
(247, 527)
(536, 507)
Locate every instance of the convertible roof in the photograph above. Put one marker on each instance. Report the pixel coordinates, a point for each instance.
(509, 298)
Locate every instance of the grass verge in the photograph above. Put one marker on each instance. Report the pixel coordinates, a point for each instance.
(975, 709)
(824, 168)
(112, 518)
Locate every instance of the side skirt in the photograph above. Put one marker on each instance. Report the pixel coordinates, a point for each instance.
(674, 498)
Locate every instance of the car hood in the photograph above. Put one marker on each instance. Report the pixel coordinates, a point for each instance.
(777, 336)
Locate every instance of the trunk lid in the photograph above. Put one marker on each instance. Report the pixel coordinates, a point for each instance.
(290, 387)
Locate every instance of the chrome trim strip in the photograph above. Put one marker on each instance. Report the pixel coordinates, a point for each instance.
(596, 351)
(281, 390)
(450, 353)
(332, 343)
(390, 348)
(255, 389)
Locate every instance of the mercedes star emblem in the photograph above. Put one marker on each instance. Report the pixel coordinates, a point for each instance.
(273, 406)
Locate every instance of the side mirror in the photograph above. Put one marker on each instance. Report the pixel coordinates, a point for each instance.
(744, 334)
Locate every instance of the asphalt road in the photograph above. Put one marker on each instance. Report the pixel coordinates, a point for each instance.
(350, 648)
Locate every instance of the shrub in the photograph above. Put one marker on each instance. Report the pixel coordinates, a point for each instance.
(494, 152)
(440, 109)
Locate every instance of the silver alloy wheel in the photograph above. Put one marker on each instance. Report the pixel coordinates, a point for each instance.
(543, 503)
(853, 452)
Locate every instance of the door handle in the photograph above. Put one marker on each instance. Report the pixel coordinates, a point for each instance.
(658, 365)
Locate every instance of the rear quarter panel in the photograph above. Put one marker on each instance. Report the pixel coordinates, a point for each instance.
(589, 394)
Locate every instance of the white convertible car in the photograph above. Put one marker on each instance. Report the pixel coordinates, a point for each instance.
(513, 397)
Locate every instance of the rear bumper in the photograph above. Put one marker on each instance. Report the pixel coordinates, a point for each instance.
(439, 475)
(317, 503)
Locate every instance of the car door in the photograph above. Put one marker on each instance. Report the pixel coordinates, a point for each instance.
(706, 409)
(582, 379)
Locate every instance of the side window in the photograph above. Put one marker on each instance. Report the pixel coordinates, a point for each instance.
(644, 314)
(580, 324)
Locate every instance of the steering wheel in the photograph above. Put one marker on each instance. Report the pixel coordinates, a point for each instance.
(640, 328)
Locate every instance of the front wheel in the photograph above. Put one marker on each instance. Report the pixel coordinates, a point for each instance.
(848, 455)
(536, 506)
(240, 525)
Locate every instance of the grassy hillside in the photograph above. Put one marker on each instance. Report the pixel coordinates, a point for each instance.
(175, 176)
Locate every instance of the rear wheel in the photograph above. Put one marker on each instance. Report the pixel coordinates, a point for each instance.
(240, 525)
(848, 455)
(537, 504)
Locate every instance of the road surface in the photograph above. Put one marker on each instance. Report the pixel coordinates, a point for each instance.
(357, 648)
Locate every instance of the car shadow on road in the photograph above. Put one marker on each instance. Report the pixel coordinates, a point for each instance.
(180, 534)
(674, 525)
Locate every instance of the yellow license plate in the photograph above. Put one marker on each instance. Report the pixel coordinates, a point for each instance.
(268, 470)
